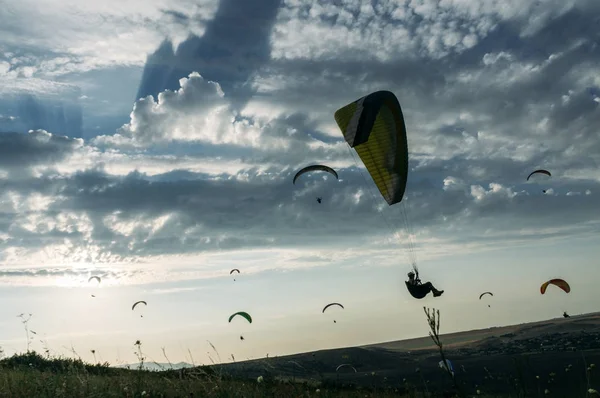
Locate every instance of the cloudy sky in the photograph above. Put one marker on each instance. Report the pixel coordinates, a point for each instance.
(153, 143)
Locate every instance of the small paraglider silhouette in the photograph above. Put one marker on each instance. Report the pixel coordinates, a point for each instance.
(329, 305)
(96, 278)
(319, 200)
(136, 303)
(242, 338)
(483, 294)
(243, 314)
(231, 272)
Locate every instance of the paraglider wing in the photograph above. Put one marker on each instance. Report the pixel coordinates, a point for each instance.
(242, 314)
(315, 167)
(235, 269)
(138, 302)
(541, 171)
(483, 294)
(344, 365)
(557, 282)
(95, 277)
(374, 126)
(329, 305)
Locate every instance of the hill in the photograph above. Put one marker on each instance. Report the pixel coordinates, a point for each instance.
(493, 357)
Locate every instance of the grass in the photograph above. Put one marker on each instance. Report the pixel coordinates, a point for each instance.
(32, 374)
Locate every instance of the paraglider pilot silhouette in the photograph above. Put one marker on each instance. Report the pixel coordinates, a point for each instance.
(419, 290)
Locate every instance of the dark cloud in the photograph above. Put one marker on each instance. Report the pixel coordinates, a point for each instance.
(479, 120)
(137, 215)
(21, 151)
(234, 45)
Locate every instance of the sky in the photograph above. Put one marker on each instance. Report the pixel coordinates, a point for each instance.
(153, 143)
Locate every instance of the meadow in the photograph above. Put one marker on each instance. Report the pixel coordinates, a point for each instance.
(378, 372)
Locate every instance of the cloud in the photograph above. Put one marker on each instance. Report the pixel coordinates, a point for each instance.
(233, 46)
(195, 171)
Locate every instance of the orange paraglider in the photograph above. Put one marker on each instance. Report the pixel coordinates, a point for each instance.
(561, 283)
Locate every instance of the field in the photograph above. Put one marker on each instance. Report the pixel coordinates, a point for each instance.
(555, 358)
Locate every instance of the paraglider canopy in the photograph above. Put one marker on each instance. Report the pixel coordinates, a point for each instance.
(234, 270)
(483, 294)
(331, 304)
(344, 365)
(243, 314)
(556, 282)
(540, 171)
(315, 167)
(95, 277)
(374, 126)
(138, 302)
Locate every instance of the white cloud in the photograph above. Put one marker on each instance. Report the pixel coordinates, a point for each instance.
(188, 175)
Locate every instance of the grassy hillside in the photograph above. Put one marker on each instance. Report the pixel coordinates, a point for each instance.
(31, 375)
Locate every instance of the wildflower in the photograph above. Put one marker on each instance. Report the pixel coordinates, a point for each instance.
(546, 391)
(478, 392)
(537, 377)
(593, 392)
(317, 391)
(143, 393)
(259, 379)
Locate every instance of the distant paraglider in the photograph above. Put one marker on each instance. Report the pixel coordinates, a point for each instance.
(136, 304)
(96, 278)
(345, 365)
(483, 294)
(234, 270)
(329, 305)
(315, 167)
(243, 314)
(561, 283)
(540, 171)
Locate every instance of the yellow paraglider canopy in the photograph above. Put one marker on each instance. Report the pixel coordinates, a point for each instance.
(374, 126)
